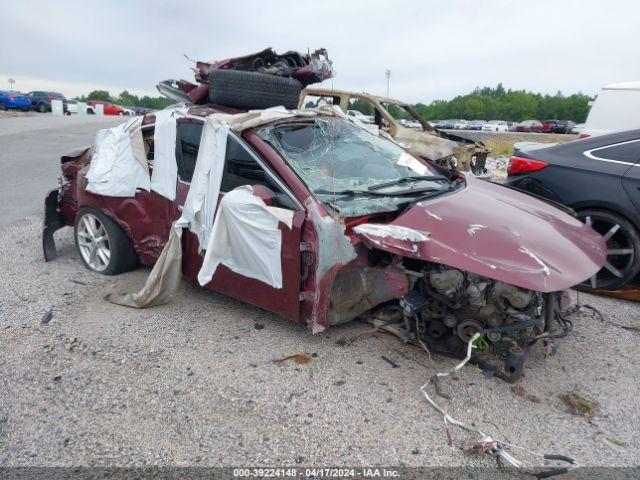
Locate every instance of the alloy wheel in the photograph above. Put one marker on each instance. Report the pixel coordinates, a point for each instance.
(93, 242)
(620, 251)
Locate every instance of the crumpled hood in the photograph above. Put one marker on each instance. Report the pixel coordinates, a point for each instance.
(424, 144)
(495, 232)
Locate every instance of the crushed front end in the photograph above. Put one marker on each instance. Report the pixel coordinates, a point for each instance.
(447, 307)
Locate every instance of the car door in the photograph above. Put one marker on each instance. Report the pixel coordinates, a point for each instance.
(242, 167)
(629, 151)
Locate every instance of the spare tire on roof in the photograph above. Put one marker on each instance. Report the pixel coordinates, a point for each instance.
(251, 90)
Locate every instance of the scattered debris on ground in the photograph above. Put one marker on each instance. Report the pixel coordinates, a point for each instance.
(47, 317)
(520, 391)
(390, 362)
(579, 404)
(301, 358)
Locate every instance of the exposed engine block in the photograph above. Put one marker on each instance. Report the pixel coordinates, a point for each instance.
(447, 307)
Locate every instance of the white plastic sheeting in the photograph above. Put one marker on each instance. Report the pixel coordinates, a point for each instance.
(165, 168)
(245, 235)
(246, 239)
(200, 206)
(118, 165)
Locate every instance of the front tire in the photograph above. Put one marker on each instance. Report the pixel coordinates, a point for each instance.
(623, 249)
(103, 246)
(42, 108)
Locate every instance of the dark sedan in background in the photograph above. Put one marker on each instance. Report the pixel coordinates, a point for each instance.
(598, 177)
(563, 126)
(41, 101)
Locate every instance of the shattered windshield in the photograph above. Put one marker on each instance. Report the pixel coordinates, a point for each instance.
(349, 169)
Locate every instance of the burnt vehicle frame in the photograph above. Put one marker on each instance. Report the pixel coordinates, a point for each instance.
(447, 150)
(426, 271)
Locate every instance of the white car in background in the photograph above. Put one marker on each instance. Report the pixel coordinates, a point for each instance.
(461, 125)
(357, 114)
(495, 126)
(577, 128)
(616, 108)
(72, 106)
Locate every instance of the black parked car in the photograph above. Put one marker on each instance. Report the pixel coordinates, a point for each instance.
(598, 177)
(41, 101)
(563, 126)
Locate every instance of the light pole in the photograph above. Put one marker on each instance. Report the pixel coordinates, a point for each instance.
(387, 73)
(11, 83)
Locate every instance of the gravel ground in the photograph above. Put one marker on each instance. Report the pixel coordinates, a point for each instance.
(194, 382)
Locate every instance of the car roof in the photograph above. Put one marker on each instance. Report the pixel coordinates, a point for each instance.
(622, 86)
(589, 143)
(329, 92)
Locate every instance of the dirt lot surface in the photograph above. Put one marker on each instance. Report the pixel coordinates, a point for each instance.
(194, 382)
(514, 137)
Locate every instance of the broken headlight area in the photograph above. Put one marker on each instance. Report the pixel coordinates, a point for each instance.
(447, 307)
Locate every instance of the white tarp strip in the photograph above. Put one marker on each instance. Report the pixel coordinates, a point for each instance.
(165, 168)
(162, 282)
(200, 205)
(246, 239)
(118, 165)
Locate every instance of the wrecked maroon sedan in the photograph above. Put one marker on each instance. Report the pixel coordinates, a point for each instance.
(321, 221)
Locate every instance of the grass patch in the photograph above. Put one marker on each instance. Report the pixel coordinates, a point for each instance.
(500, 147)
(579, 404)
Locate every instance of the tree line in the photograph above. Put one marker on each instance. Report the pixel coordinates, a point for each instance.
(127, 99)
(512, 105)
(483, 103)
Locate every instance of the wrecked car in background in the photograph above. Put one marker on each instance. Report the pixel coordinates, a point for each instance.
(447, 150)
(321, 221)
(260, 80)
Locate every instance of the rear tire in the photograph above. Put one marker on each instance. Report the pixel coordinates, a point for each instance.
(252, 90)
(623, 249)
(42, 108)
(103, 246)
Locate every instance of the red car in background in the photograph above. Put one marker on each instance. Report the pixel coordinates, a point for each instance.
(109, 108)
(529, 126)
(548, 126)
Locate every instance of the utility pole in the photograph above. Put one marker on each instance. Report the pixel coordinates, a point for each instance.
(11, 83)
(387, 74)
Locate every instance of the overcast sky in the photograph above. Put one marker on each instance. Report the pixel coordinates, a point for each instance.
(435, 49)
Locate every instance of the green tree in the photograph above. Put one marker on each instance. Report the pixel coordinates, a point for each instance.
(489, 103)
(99, 95)
(127, 99)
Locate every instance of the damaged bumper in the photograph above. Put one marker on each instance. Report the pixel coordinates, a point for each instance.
(53, 220)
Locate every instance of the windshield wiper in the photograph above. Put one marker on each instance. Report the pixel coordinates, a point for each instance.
(351, 193)
(402, 180)
(370, 193)
(430, 194)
